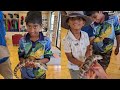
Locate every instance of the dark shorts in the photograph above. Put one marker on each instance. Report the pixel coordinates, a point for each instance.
(74, 74)
(28, 73)
(42, 77)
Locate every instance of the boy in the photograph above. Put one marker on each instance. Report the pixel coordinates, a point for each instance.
(105, 28)
(76, 42)
(34, 42)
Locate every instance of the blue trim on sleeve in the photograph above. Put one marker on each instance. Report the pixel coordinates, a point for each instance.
(88, 30)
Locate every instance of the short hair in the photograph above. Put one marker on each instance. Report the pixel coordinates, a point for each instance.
(89, 13)
(34, 17)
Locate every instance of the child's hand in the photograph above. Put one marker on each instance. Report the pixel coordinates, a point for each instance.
(21, 60)
(88, 54)
(89, 51)
(30, 64)
(100, 72)
(90, 74)
(81, 64)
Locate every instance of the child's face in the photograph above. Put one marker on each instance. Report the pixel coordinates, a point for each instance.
(97, 17)
(76, 23)
(33, 29)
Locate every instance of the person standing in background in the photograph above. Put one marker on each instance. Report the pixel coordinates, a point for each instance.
(5, 64)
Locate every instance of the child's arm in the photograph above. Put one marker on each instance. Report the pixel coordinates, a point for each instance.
(44, 60)
(90, 47)
(74, 60)
(89, 41)
(89, 51)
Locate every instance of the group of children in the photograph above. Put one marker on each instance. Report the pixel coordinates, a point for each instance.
(90, 32)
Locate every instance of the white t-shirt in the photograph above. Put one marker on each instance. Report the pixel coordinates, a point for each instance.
(76, 47)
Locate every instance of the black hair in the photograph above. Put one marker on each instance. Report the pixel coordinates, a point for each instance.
(34, 17)
(89, 13)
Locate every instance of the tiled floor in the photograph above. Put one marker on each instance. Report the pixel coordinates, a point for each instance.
(113, 69)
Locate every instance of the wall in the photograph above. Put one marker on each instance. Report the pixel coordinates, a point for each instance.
(45, 15)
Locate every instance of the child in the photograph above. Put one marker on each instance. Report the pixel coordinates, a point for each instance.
(32, 43)
(105, 29)
(76, 42)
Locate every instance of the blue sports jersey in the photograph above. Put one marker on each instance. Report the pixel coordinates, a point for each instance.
(105, 34)
(29, 48)
(89, 30)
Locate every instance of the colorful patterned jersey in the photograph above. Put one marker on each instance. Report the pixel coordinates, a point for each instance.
(105, 34)
(39, 49)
